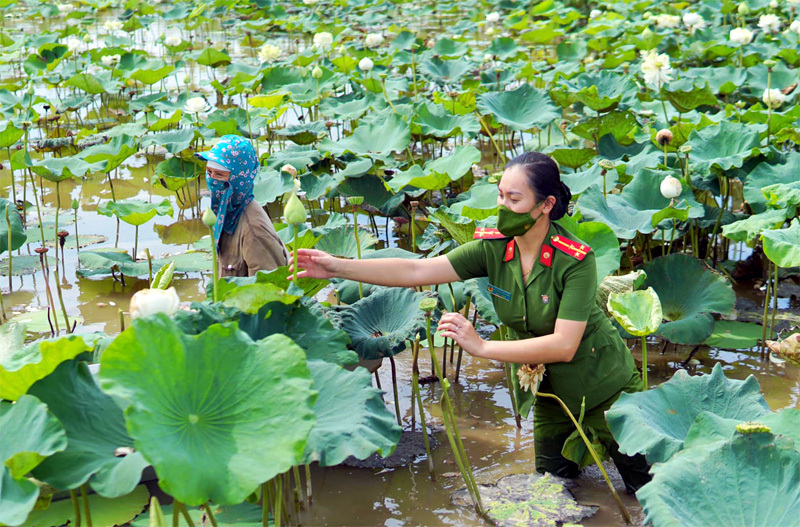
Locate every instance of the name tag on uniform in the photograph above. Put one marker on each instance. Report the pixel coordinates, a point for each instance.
(499, 293)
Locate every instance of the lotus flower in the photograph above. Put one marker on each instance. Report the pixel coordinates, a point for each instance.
(671, 187)
(112, 25)
(741, 36)
(365, 64)
(773, 98)
(172, 41)
(196, 105)
(309, 2)
(76, 45)
(289, 169)
(656, 69)
(492, 18)
(316, 73)
(269, 53)
(787, 349)
(667, 21)
(530, 375)
(693, 21)
(64, 9)
(595, 13)
(795, 27)
(323, 40)
(110, 60)
(373, 40)
(769, 23)
(151, 301)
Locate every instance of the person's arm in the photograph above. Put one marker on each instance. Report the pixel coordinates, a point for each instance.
(262, 249)
(380, 271)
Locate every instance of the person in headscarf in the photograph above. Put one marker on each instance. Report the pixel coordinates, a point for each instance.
(244, 236)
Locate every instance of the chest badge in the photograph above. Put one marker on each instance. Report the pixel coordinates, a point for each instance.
(499, 293)
(545, 299)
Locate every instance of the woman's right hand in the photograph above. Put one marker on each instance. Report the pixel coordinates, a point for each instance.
(314, 264)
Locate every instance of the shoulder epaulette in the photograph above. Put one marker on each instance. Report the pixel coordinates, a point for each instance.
(572, 248)
(485, 233)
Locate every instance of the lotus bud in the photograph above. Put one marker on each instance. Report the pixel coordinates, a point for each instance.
(289, 169)
(753, 427)
(365, 64)
(671, 187)
(740, 104)
(294, 211)
(316, 72)
(773, 4)
(151, 301)
(355, 200)
(685, 149)
(187, 79)
(209, 218)
(664, 136)
(75, 204)
(743, 9)
(606, 164)
(428, 305)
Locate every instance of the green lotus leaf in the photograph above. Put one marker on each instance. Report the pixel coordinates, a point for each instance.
(377, 140)
(28, 434)
(601, 239)
(686, 96)
(503, 48)
(342, 242)
(348, 106)
(95, 428)
(446, 47)
(460, 229)
(444, 72)
(150, 76)
(573, 158)
(478, 289)
(134, 211)
(212, 58)
(725, 80)
(113, 153)
(348, 290)
(175, 172)
(20, 367)
(655, 422)
(435, 120)
(43, 320)
(731, 334)
(710, 428)
(689, 292)
(58, 169)
(766, 174)
(519, 109)
(242, 515)
(270, 184)
(174, 141)
(249, 298)
(352, 419)
(750, 228)
(279, 277)
(750, 469)
(86, 82)
(620, 125)
(724, 146)
(601, 92)
(304, 134)
(446, 297)
(10, 134)
(108, 261)
(638, 312)
(106, 512)
(14, 224)
(782, 195)
(209, 443)
(757, 75)
(380, 324)
(478, 203)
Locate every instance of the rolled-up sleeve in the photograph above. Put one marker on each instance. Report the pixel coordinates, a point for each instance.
(469, 260)
(580, 286)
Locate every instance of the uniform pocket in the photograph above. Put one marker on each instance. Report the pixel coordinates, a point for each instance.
(236, 268)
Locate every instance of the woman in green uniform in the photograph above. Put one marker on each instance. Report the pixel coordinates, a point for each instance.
(543, 283)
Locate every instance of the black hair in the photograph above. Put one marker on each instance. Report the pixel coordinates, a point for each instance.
(544, 179)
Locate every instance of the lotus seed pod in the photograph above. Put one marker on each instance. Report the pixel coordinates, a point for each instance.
(294, 211)
(355, 200)
(671, 187)
(606, 164)
(743, 9)
(289, 169)
(428, 304)
(752, 427)
(664, 136)
(316, 72)
(685, 149)
(209, 218)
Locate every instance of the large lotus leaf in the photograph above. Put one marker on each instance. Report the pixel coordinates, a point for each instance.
(107, 261)
(444, 71)
(620, 125)
(349, 106)
(782, 195)
(86, 82)
(20, 367)
(42, 321)
(58, 169)
(134, 211)
(655, 422)
(782, 246)
(732, 334)
(304, 134)
(9, 134)
(638, 312)
(416, 177)
(342, 242)
(689, 292)
(686, 96)
(519, 109)
(174, 141)
(601, 239)
(242, 515)
(723, 146)
(478, 203)
(380, 324)
(279, 277)
(14, 224)
(709, 428)
(352, 419)
(377, 140)
(106, 512)
(436, 121)
(478, 289)
(113, 153)
(249, 298)
(374, 191)
(753, 480)
(766, 174)
(220, 413)
(460, 229)
(28, 434)
(175, 172)
(95, 429)
(750, 228)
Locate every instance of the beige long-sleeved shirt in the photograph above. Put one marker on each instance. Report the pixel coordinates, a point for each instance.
(254, 245)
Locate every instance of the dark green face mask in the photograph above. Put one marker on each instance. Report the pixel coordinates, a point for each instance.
(511, 223)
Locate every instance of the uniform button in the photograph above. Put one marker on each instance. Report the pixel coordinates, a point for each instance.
(524, 318)
(592, 350)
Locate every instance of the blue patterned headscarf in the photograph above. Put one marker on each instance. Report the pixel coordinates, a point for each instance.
(228, 199)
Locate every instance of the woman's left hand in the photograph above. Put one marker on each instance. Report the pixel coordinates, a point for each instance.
(457, 327)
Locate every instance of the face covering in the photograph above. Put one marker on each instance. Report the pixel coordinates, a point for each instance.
(220, 197)
(511, 223)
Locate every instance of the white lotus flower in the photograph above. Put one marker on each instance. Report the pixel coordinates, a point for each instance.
(656, 69)
(76, 45)
(671, 187)
(795, 27)
(773, 4)
(741, 36)
(492, 18)
(151, 301)
(793, 2)
(112, 25)
(489, 31)
(172, 41)
(65, 8)
(269, 53)
(323, 40)
(196, 105)
(769, 23)
(110, 60)
(595, 13)
(667, 21)
(693, 21)
(365, 64)
(773, 98)
(373, 40)
(309, 2)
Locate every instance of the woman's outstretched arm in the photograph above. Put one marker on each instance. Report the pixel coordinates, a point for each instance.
(400, 272)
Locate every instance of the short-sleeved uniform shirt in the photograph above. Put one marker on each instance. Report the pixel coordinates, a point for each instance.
(559, 286)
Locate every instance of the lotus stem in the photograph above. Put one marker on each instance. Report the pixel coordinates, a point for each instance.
(592, 452)
(308, 483)
(416, 395)
(358, 246)
(491, 137)
(135, 242)
(175, 516)
(61, 301)
(276, 516)
(215, 271)
(510, 382)
(294, 253)
(36, 202)
(394, 389)
(42, 251)
(58, 208)
(184, 512)
(149, 267)
(121, 320)
(264, 506)
(210, 514)
(774, 300)
(10, 252)
(644, 362)
(297, 484)
(454, 446)
(3, 307)
(76, 507)
(769, 106)
(86, 509)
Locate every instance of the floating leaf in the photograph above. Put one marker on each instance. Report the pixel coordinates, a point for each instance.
(106, 512)
(730, 334)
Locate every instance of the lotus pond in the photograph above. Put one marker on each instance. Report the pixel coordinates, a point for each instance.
(675, 126)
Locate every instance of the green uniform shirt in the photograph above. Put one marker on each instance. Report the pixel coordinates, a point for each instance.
(565, 289)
